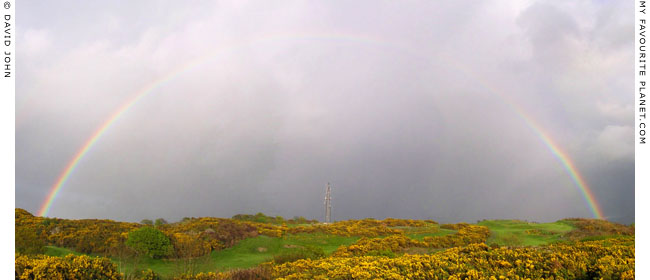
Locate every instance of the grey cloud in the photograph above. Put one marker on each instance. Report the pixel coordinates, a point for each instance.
(399, 106)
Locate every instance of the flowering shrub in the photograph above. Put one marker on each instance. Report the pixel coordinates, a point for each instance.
(365, 227)
(147, 275)
(467, 234)
(278, 220)
(69, 267)
(107, 237)
(582, 260)
(373, 246)
(592, 227)
(454, 226)
(261, 272)
(190, 246)
(218, 233)
(383, 252)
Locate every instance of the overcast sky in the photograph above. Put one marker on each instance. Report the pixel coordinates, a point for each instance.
(405, 107)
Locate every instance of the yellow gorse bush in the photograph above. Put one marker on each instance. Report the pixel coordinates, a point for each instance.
(365, 227)
(379, 254)
(105, 237)
(467, 234)
(580, 260)
(69, 267)
(260, 272)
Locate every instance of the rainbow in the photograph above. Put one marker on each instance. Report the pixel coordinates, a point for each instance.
(566, 162)
(562, 156)
(555, 149)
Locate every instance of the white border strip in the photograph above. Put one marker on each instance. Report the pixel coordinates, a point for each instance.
(642, 168)
(7, 141)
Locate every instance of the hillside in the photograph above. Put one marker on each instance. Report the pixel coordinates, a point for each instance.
(263, 247)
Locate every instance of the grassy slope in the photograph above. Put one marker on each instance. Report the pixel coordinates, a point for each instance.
(59, 252)
(253, 251)
(513, 232)
(247, 253)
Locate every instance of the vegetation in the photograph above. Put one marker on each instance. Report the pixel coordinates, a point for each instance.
(160, 222)
(520, 233)
(588, 228)
(306, 252)
(28, 241)
(278, 220)
(365, 227)
(581, 260)
(150, 242)
(69, 267)
(265, 247)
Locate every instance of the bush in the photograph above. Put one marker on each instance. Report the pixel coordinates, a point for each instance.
(147, 275)
(160, 222)
(381, 253)
(606, 259)
(150, 241)
(69, 267)
(585, 228)
(255, 273)
(28, 242)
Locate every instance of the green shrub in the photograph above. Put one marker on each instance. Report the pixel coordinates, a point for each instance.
(150, 241)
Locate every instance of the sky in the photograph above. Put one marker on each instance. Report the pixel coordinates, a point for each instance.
(416, 109)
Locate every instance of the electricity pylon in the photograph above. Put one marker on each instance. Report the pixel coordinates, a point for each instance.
(328, 204)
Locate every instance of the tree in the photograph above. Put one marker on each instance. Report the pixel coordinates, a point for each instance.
(150, 241)
(160, 222)
(147, 222)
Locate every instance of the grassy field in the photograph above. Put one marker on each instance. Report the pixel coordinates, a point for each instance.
(247, 253)
(520, 233)
(253, 251)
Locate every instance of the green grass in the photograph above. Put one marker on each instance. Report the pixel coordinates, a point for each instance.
(247, 253)
(432, 230)
(59, 252)
(253, 251)
(513, 232)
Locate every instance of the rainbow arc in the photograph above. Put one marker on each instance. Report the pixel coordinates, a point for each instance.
(146, 90)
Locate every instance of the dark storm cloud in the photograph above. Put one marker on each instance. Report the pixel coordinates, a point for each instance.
(401, 110)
